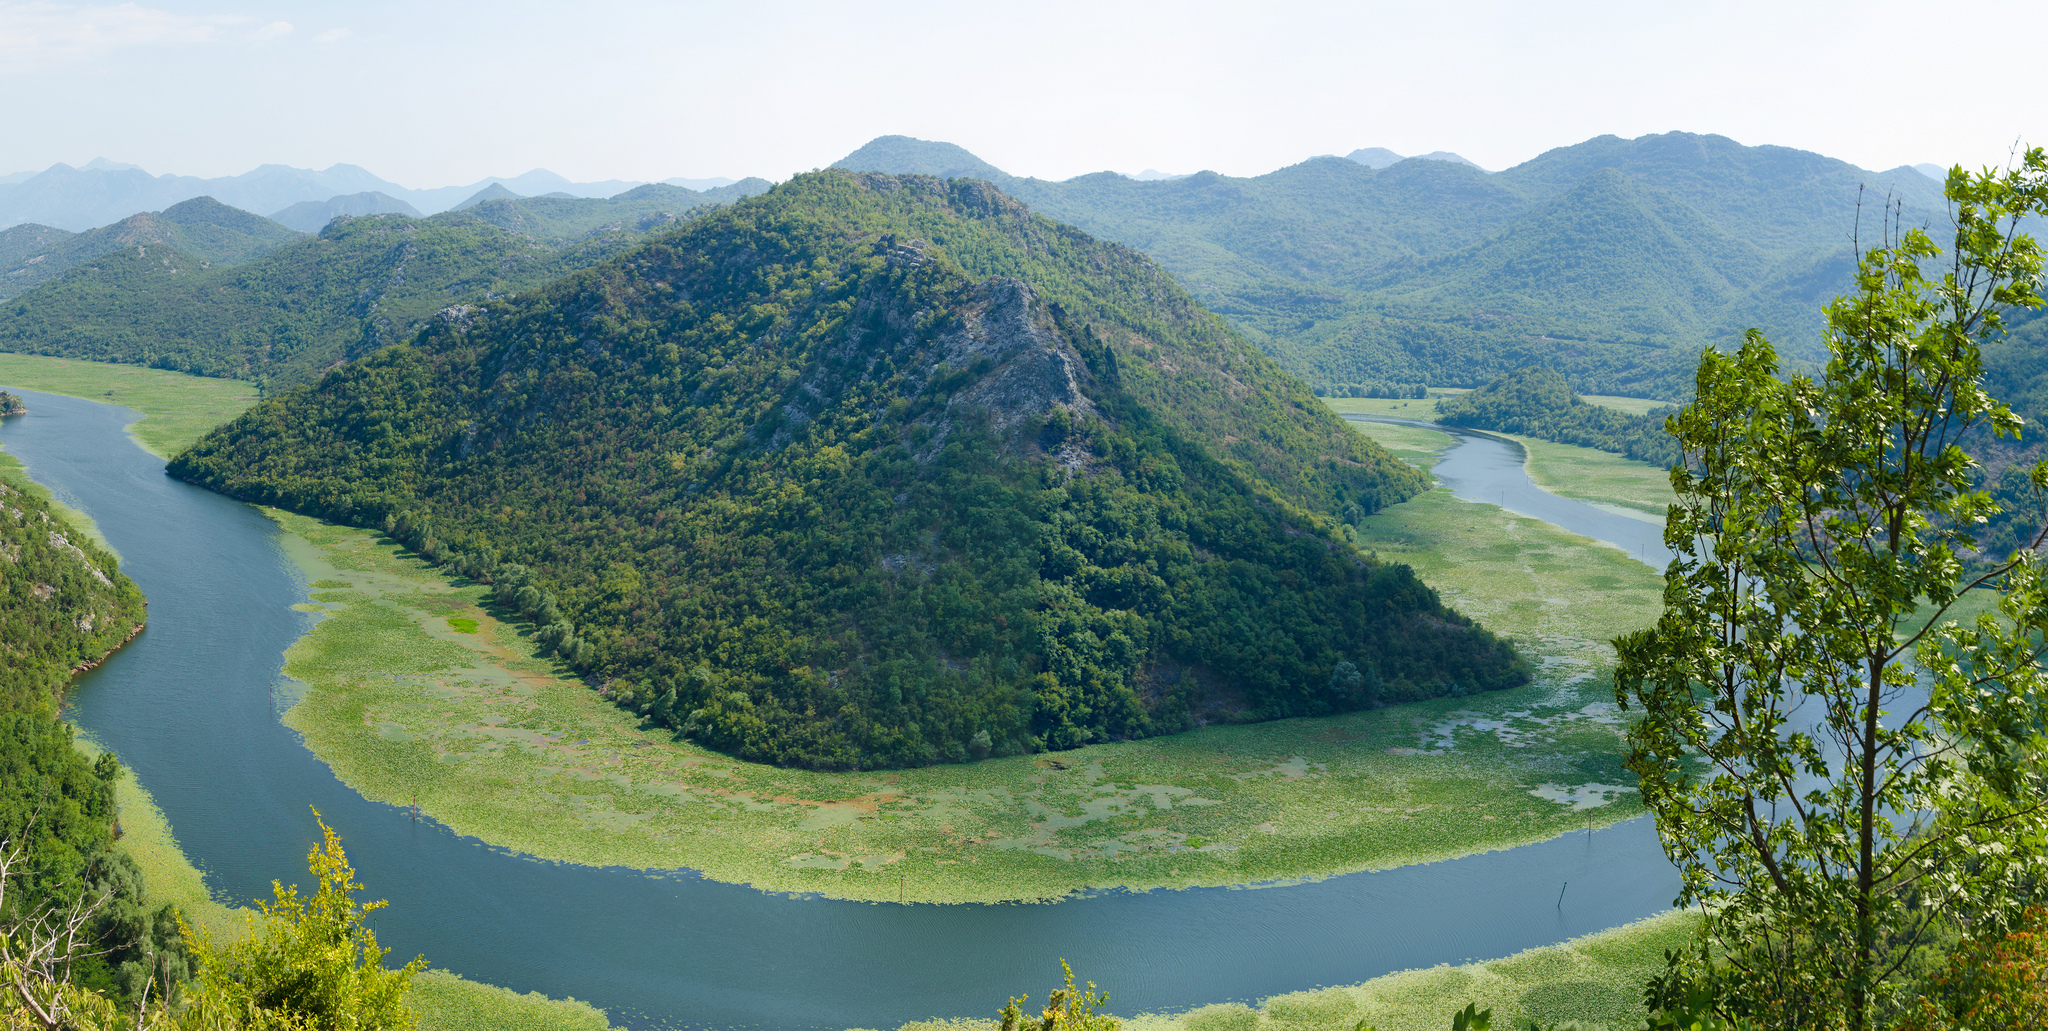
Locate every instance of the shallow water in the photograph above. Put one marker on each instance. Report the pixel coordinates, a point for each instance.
(190, 707)
(1490, 470)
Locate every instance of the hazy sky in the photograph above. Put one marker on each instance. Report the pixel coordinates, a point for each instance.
(430, 94)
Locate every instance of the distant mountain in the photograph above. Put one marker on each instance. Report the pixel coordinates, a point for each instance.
(904, 155)
(1374, 157)
(557, 221)
(699, 185)
(1153, 175)
(1381, 157)
(1614, 260)
(282, 318)
(495, 191)
(1932, 171)
(875, 472)
(207, 231)
(310, 216)
(103, 192)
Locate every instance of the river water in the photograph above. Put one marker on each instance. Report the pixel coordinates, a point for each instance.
(191, 708)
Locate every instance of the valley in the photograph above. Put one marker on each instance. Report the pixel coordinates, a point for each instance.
(811, 604)
(1490, 751)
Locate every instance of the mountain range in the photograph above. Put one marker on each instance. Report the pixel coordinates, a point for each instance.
(103, 192)
(205, 288)
(880, 471)
(1613, 260)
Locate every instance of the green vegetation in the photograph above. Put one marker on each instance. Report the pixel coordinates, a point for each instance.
(176, 409)
(1589, 983)
(442, 1001)
(486, 736)
(1821, 522)
(1599, 477)
(1537, 402)
(10, 404)
(288, 314)
(1617, 260)
(309, 961)
(63, 606)
(560, 221)
(210, 232)
(794, 483)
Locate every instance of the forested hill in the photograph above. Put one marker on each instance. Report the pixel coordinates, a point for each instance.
(202, 227)
(878, 471)
(1615, 259)
(63, 603)
(1537, 402)
(360, 284)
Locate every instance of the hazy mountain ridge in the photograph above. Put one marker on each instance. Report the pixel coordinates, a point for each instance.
(102, 192)
(209, 232)
(309, 216)
(1431, 271)
(879, 471)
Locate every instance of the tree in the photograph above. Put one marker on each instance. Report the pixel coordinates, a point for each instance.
(1066, 1009)
(309, 964)
(1835, 764)
(1994, 980)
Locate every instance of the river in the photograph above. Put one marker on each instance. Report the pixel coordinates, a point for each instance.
(191, 708)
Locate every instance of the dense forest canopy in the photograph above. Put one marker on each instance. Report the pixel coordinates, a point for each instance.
(64, 604)
(881, 471)
(1538, 402)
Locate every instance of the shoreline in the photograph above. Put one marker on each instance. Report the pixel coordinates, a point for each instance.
(495, 743)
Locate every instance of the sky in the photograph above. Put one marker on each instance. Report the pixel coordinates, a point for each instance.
(430, 94)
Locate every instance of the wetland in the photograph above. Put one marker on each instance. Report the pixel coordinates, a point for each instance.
(194, 708)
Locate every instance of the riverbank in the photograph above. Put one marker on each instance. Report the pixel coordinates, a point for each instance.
(443, 1001)
(717, 967)
(1591, 983)
(177, 409)
(1600, 478)
(416, 694)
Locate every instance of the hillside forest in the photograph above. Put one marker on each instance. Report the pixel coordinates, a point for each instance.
(874, 471)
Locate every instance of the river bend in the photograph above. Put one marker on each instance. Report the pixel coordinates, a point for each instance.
(191, 707)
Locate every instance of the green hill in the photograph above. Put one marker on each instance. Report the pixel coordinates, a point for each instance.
(202, 228)
(562, 220)
(1537, 402)
(1617, 259)
(63, 604)
(360, 284)
(878, 471)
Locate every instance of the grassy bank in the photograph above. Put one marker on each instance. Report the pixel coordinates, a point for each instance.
(420, 696)
(177, 409)
(1602, 478)
(1593, 983)
(1599, 477)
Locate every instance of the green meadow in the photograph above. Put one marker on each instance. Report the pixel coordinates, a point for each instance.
(1599, 477)
(177, 409)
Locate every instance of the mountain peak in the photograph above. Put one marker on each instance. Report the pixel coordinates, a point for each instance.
(1374, 157)
(905, 155)
(495, 191)
(1381, 157)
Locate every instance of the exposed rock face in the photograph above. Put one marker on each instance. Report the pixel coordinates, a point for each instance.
(1032, 367)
